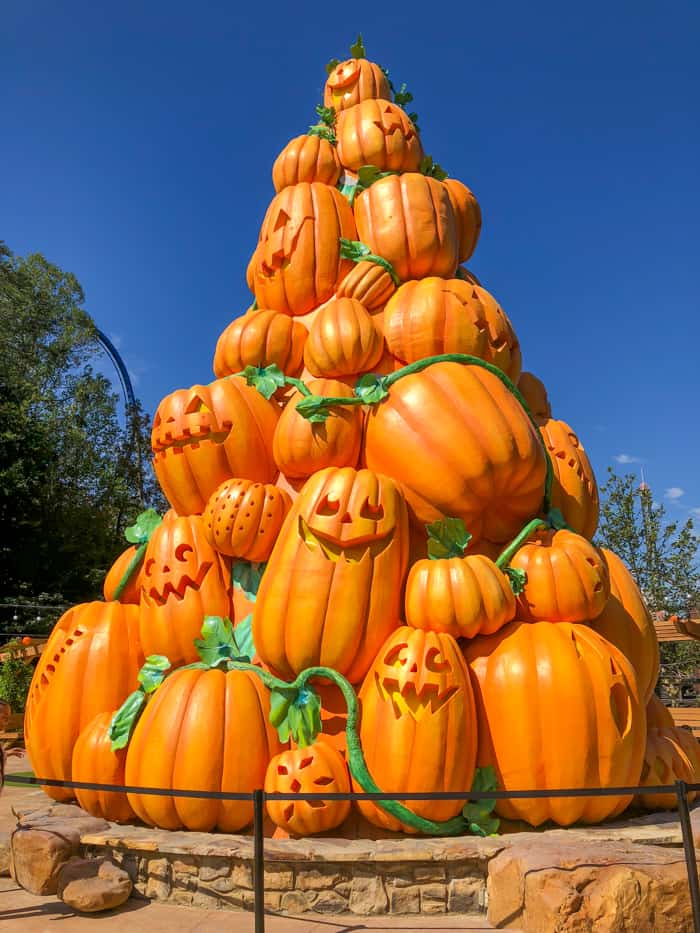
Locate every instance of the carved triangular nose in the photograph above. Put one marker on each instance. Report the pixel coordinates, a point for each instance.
(346, 519)
(166, 569)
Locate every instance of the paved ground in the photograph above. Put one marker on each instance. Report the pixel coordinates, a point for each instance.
(24, 913)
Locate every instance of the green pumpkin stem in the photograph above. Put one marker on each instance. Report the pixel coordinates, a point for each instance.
(446, 539)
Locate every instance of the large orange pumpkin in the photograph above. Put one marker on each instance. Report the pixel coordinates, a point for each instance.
(409, 220)
(94, 762)
(332, 589)
(202, 730)
(355, 80)
(418, 723)
(574, 489)
(260, 338)
(459, 444)
(343, 340)
(567, 578)
(302, 447)
(184, 579)
(306, 158)
(533, 391)
(311, 770)
(297, 263)
(89, 666)
(433, 316)
(115, 574)
(379, 133)
(467, 214)
(369, 283)
(559, 707)
(626, 623)
(242, 519)
(206, 434)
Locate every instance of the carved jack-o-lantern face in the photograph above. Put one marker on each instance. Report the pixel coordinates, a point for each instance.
(379, 133)
(353, 81)
(172, 577)
(574, 490)
(282, 236)
(417, 679)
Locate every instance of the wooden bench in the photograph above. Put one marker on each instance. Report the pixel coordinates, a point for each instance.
(687, 716)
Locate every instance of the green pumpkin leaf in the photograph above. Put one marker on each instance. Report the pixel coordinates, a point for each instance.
(371, 388)
(353, 249)
(266, 379)
(153, 672)
(243, 639)
(125, 718)
(413, 117)
(517, 579)
(403, 96)
(358, 49)
(314, 408)
(428, 167)
(217, 643)
(143, 527)
(246, 576)
(327, 115)
(296, 714)
(368, 174)
(332, 65)
(448, 538)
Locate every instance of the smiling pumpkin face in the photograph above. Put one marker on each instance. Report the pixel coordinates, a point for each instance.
(331, 591)
(353, 81)
(379, 133)
(183, 580)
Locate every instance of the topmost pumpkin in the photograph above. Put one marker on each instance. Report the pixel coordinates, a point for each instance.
(353, 81)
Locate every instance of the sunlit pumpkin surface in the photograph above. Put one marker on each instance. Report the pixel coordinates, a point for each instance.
(373, 488)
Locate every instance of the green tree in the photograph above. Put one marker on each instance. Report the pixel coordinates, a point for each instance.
(69, 470)
(663, 558)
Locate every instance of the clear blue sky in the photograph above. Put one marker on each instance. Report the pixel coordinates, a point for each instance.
(138, 139)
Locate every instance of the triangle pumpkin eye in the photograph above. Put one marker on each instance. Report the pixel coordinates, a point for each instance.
(328, 506)
(373, 512)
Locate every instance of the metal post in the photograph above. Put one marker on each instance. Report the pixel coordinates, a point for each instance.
(259, 861)
(689, 848)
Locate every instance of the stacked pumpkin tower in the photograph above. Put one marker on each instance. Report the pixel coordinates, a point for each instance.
(381, 502)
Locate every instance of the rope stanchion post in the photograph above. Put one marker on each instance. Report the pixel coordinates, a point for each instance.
(689, 849)
(259, 860)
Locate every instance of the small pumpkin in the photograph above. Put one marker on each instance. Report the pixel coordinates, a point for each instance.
(310, 770)
(533, 391)
(192, 735)
(409, 220)
(418, 725)
(260, 338)
(468, 216)
(343, 340)
(115, 574)
(379, 133)
(671, 755)
(353, 81)
(567, 578)
(454, 592)
(369, 283)
(306, 158)
(658, 715)
(301, 447)
(574, 488)
(242, 519)
(94, 762)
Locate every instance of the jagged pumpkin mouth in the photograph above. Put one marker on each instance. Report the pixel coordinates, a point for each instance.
(160, 597)
(352, 550)
(190, 439)
(408, 699)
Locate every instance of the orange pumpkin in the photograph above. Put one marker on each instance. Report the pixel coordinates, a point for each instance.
(301, 447)
(242, 519)
(343, 340)
(671, 755)
(353, 81)
(459, 444)
(202, 730)
(130, 593)
(297, 263)
(309, 770)
(206, 434)
(558, 707)
(434, 316)
(418, 725)
(306, 158)
(369, 283)
(89, 666)
(184, 580)
(95, 762)
(260, 338)
(574, 489)
(409, 220)
(626, 623)
(567, 578)
(332, 588)
(379, 133)
(658, 715)
(468, 216)
(533, 391)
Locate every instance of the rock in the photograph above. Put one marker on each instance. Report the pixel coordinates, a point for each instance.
(91, 885)
(367, 896)
(4, 855)
(542, 886)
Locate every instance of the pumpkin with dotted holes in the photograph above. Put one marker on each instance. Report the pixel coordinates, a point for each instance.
(242, 519)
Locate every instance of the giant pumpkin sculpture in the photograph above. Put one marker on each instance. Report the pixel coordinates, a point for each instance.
(373, 387)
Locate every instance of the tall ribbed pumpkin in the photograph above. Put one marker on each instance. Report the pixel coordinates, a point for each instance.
(89, 666)
(206, 434)
(459, 444)
(260, 338)
(331, 592)
(418, 725)
(130, 593)
(574, 489)
(467, 214)
(558, 707)
(306, 158)
(626, 623)
(94, 762)
(379, 133)
(343, 340)
(202, 730)
(297, 263)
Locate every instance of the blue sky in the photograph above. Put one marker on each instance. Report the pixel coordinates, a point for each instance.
(138, 141)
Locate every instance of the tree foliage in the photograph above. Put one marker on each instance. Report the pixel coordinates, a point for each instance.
(69, 469)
